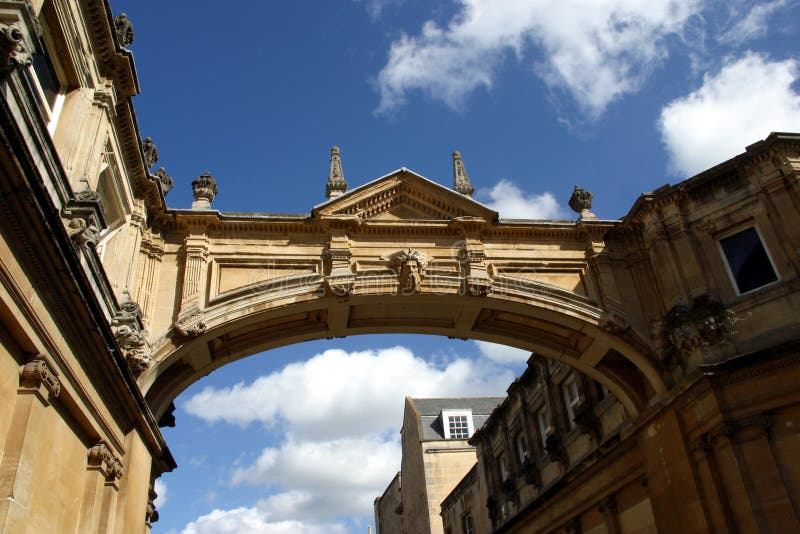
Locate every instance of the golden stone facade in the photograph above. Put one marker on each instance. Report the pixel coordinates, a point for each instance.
(112, 303)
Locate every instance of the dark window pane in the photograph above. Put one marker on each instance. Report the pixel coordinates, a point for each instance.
(46, 74)
(748, 260)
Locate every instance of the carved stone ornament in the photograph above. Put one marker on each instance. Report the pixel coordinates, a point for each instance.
(531, 471)
(341, 285)
(150, 152)
(191, 324)
(587, 420)
(165, 180)
(479, 286)
(151, 514)
(82, 232)
(13, 53)
(581, 202)
(554, 447)
(36, 373)
(461, 182)
(686, 329)
(101, 457)
(86, 195)
(132, 338)
(204, 189)
(614, 323)
(124, 30)
(336, 185)
(168, 419)
(410, 265)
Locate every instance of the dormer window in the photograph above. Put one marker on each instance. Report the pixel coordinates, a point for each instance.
(457, 424)
(747, 260)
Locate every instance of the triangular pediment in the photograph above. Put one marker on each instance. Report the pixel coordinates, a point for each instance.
(404, 195)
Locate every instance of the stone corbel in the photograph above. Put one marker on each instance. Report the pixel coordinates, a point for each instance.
(410, 268)
(477, 279)
(191, 324)
(554, 447)
(84, 218)
(100, 458)
(13, 50)
(37, 377)
(132, 337)
(151, 514)
(587, 420)
(82, 232)
(531, 472)
(341, 279)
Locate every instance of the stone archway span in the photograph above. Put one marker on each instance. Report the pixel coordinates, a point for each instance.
(554, 327)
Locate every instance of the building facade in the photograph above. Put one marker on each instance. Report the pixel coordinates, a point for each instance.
(561, 454)
(436, 455)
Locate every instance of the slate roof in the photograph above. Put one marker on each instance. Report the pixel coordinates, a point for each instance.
(430, 411)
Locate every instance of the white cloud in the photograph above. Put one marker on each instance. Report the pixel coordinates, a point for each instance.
(254, 521)
(323, 480)
(745, 101)
(502, 353)
(512, 203)
(597, 51)
(337, 394)
(753, 25)
(161, 490)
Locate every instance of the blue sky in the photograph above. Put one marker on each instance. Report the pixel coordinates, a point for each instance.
(619, 96)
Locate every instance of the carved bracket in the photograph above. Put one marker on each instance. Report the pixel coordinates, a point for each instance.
(151, 514)
(132, 337)
(554, 447)
(102, 459)
(191, 324)
(13, 53)
(341, 279)
(36, 374)
(587, 420)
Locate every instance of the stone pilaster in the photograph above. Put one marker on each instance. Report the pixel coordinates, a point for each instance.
(23, 455)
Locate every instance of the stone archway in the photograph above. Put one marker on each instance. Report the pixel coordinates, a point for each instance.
(398, 255)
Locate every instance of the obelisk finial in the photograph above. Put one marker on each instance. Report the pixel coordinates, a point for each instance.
(336, 184)
(460, 178)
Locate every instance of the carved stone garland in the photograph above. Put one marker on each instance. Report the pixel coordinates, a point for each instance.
(686, 330)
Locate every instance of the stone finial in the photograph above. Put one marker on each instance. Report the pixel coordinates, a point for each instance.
(204, 188)
(460, 178)
(336, 183)
(165, 180)
(124, 30)
(150, 152)
(581, 202)
(13, 54)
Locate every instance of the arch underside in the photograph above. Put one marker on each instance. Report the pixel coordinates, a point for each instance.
(539, 318)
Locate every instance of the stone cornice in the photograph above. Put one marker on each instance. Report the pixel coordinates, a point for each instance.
(759, 152)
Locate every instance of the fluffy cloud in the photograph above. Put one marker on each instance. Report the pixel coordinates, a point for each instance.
(597, 51)
(744, 101)
(512, 203)
(324, 480)
(338, 394)
(753, 25)
(502, 353)
(253, 521)
(161, 490)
